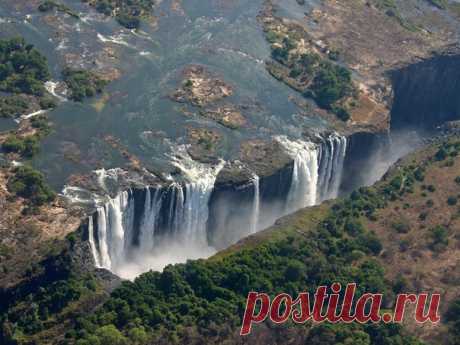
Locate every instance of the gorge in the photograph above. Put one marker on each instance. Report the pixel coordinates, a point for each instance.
(142, 229)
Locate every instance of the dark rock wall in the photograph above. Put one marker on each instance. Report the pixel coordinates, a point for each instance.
(427, 93)
(361, 148)
(231, 206)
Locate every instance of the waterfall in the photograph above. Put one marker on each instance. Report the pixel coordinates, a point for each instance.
(136, 223)
(255, 205)
(92, 243)
(331, 158)
(150, 227)
(149, 223)
(317, 170)
(111, 233)
(304, 182)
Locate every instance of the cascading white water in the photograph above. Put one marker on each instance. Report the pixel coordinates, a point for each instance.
(149, 222)
(130, 235)
(92, 244)
(111, 233)
(331, 158)
(194, 207)
(148, 229)
(317, 170)
(256, 205)
(304, 182)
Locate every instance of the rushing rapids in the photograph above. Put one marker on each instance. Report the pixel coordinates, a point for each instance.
(142, 229)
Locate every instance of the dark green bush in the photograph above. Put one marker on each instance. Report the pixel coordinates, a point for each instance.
(26, 147)
(13, 106)
(439, 238)
(30, 184)
(452, 200)
(401, 226)
(82, 83)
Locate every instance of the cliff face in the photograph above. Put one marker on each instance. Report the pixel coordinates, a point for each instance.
(362, 146)
(426, 93)
(231, 206)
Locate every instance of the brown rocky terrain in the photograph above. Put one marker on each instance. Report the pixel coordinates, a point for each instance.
(25, 239)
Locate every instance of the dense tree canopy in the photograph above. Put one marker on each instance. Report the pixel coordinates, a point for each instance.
(22, 67)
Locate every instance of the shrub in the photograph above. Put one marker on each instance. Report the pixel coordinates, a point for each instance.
(341, 113)
(371, 242)
(82, 83)
(47, 102)
(27, 147)
(401, 226)
(46, 6)
(404, 245)
(441, 154)
(280, 54)
(13, 144)
(452, 200)
(423, 216)
(127, 12)
(41, 123)
(419, 174)
(439, 237)
(354, 227)
(13, 106)
(30, 184)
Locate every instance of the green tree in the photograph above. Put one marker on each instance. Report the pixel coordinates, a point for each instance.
(110, 335)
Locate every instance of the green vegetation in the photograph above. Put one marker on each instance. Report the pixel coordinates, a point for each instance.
(402, 226)
(327, 83)
(448, 150)
(41, 124)
(22, 68)
(13, 106)
(82, 83)
(453, 322)
(439, 238)
(23, 72)
(51, 285)
(452, 200)
(30, 184)
(49, 5)
(24, 146)
(127, 12)
(28, 146)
